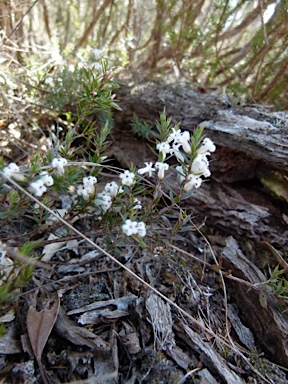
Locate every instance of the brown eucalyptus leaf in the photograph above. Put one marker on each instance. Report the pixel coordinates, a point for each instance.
(40, 324)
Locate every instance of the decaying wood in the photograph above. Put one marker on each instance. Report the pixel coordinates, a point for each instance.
(77, 335)
(269, 326)
(252, 149)
(210, 357)
(251, 130)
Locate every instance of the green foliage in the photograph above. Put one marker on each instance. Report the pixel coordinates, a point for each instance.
(164, 126)
(27, 247)
(277, 286)
(2, 330)
(140, 128)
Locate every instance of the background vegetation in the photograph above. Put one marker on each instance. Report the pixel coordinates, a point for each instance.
(236, 46)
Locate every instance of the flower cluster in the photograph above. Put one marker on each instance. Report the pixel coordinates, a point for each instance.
(189, 174)
(191, 153)
(104, 199)
(13, 171)
(39, 186)
(59, 164)
(87, 188)
(127, 178)
(131, 227)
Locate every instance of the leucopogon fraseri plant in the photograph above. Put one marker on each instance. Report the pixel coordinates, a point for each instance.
(122, 209)
(190, 152)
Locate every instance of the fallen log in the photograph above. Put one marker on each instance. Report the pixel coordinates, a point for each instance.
(247, 195)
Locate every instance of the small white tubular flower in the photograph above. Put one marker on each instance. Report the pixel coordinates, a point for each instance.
(148, 169)
(175, 151)
(141, 229)
(164, 148)
(200, 166)
(49, 81)
(98, 53)
(137, 203)
(46, 178)
(130, 227)
(193, 181)
(89, 181)
(113, 189)
(162, 167)
(104, 201)
(127, 178)
(184, 139)
(174, 136)
(181, 176)
(37, 188)
(207, 147)
(207, 173)
(12, 170)
(59, 164)
(96, 65)
(85, 191)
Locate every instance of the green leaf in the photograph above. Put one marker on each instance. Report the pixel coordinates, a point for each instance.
(263, 300)
(28, 246)
(176, 199)
(3, 330)
(187, 228)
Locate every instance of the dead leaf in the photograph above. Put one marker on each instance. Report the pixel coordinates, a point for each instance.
(39, 326)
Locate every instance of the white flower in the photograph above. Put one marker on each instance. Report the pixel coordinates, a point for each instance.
(193, 181)
(47, 179)
(207, 173)
(98, 53)
(113, 189)
(200, 166)
(127, 178)
(174, 136)
(12, 170)
(181, 175)
(85, 191)
(148, 169)
(37, 188)
(137, 203)
(207, 147)
(141, 229)
(49, 81)
(184, 139)
(164, 148)
(104, 201)
(89, 181)
(175, 151)
(59, 164)
(161, 168)
(130, 227)
(96, 65)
